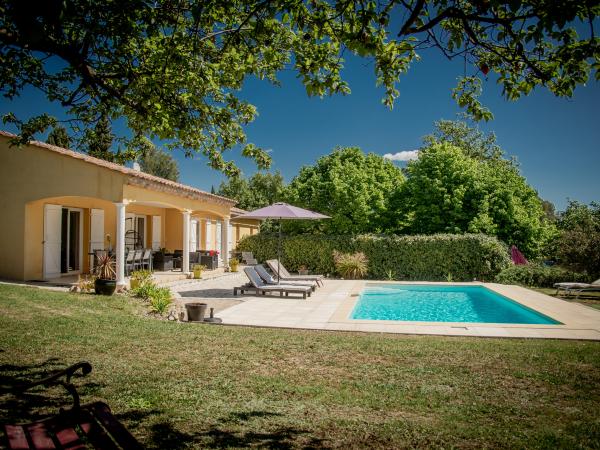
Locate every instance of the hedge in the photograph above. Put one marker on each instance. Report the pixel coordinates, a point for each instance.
(461, 257)
(539, 276)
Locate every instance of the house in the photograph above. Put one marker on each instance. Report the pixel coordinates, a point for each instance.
(58, 206)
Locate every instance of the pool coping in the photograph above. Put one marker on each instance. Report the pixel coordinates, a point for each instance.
(538, 302)
(330, 308)
(345, 309)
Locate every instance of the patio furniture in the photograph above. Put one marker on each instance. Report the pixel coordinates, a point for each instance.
(146, 261)
(262, 288)
(162, 261)
(249, 259)
(571, 288)
(194, 258)
(92, 425)
(262, 272)
(137, 259)
(129, 262)
(210, 261)
(284, 275)
(178, 260)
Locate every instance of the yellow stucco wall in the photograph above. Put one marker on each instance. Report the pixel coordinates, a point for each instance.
(31, 176)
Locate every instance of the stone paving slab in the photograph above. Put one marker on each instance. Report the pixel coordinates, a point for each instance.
(330, 306)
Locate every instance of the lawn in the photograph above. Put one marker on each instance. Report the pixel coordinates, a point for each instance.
(591, 299)
(185, 385)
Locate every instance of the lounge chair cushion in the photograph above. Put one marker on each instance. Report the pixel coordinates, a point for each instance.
(272, 281)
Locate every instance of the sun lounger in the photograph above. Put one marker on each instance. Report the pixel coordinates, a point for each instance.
(267, 278)
(571, 288)
(284, 275)
(261, 287)
(249, 258)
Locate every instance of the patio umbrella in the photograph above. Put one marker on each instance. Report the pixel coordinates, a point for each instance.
(517, 257)
(282, 211)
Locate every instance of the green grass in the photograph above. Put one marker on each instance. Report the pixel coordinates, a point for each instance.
(591, 299)
(188, 385)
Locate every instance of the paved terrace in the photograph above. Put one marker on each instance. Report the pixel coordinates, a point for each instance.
(330, 306)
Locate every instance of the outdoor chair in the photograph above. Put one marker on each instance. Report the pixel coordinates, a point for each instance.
(267, 278)
(137, 259)
(249, 259)
(578, 288)
(261, 288)
(146, 261)
(284, 275)
(178, 259)
(88, 426)
(129, 262)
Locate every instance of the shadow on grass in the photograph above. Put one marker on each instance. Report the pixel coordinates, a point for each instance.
(18, 405)
(230, 433)
(234, 430)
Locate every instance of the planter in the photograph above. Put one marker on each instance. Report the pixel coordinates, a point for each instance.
(195, 311)
(105, 287)
(197, 272)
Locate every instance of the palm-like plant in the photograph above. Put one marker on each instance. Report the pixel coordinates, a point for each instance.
(105, 267)
(351, 266)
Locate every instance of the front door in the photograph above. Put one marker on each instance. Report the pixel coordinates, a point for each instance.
(52, 241)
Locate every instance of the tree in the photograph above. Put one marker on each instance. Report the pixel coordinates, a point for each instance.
(100, 140)
(157, 162)
(350, 186)
(549, 210)
(448, 191)
(473, 142)
(261, 189)
(578, 245)
(59, 137)
(173, 70)
(99, 143)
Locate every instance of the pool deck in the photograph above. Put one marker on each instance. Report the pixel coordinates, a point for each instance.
(330, 306)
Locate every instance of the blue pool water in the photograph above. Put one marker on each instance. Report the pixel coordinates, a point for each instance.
(431, 303)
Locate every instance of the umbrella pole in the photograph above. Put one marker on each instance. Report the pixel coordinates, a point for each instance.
(279, 255)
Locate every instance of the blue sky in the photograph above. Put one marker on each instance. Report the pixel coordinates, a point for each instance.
(557, 141)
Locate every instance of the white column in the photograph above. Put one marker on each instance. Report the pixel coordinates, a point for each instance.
(225, 242)
(185, 265)
(120, 244)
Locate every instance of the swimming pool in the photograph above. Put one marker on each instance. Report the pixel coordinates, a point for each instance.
(437, 303)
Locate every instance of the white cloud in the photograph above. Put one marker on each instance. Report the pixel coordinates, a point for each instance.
(406, 155)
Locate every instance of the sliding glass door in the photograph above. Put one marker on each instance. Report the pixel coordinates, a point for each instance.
(71, 240)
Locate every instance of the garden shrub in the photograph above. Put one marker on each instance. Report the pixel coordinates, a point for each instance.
(160, 299)
(144, 290)
(423, 257)
(539, 276)
(351, 265)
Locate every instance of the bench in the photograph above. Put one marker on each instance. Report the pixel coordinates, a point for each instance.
(88, 426)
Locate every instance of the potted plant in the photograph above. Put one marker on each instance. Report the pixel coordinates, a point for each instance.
(197, 269)
(303, 270)
(233, 265)
(106, 283)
